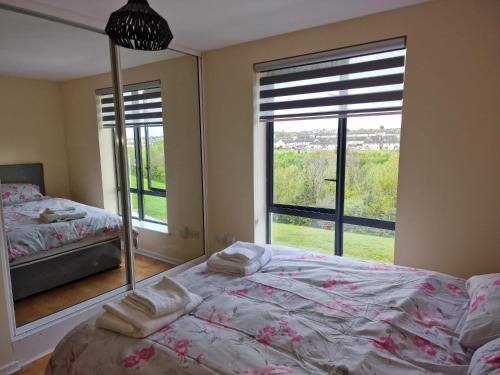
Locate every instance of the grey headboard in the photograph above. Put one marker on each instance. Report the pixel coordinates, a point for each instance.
(23, 174)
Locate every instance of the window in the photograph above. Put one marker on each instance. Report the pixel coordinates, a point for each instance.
(333, 129)
(145, 145)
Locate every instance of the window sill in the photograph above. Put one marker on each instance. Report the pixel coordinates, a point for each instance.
(150, 226)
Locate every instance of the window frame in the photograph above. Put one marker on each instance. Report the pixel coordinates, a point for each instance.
(140, 191)
(335, 215)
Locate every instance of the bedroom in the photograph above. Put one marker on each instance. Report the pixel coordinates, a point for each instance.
(64, 145)
(447, 192)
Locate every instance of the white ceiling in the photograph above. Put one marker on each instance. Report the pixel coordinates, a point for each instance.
(36, 48)
(208, 24)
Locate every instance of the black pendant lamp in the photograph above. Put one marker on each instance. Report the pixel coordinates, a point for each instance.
(137, 26)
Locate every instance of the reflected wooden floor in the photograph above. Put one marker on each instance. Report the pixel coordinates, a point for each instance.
(35, 368)
(46, 303)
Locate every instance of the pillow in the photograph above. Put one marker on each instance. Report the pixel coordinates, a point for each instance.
(486, 360)
(482, 322)
(18, 193)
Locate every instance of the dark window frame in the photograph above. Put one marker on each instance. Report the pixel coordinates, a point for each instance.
(140, 191)
(335, 215)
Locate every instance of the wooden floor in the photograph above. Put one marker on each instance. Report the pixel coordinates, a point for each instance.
(35, 368)
(43, 304)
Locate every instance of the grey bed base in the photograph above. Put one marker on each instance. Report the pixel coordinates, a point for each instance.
(52, 271)
(49, 272)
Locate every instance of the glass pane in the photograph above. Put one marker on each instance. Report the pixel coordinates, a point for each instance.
(134, 204)
(369, 243)
(131, 158)
(305, 162)
(156, 157)
(372, 166)
(174, 146)
(155, 208)
(310, 234)
(59, 277)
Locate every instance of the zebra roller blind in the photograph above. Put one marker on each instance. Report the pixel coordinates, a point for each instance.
(360, 80)
(143, 105)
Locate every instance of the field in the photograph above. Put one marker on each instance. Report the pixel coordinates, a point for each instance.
(154, 207)
(356, 245)
(299, 179)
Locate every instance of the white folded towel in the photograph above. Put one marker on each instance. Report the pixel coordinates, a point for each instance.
(48, 217)
(165, 297)
(59, 210)
(217, 264)
(131, 322)
(242, 252)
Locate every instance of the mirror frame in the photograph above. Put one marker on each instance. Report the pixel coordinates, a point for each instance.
(32, 328)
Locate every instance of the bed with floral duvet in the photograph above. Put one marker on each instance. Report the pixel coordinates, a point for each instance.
(303, 313)
(45, 255)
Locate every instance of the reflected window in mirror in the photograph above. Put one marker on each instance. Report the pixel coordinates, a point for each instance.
(145, 145)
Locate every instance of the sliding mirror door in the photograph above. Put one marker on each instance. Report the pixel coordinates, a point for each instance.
(59, 184)
(162, 119)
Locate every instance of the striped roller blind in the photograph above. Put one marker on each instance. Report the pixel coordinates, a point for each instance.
(143, 105)
(358, 80)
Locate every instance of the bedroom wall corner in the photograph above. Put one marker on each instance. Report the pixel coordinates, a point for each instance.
(82, 138)
(37, 134)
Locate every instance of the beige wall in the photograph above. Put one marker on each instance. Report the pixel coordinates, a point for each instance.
(89, 165)
(448, 210)
(32, 129)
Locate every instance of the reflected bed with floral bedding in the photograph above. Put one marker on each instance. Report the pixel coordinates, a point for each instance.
(302, 313)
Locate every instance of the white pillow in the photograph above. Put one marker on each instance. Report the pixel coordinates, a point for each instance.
(486, 360)
(482, 323)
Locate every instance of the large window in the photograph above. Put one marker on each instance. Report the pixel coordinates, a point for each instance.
(145, 146)
(333, 135)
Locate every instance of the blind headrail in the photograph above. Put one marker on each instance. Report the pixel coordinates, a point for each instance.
(335, 54)
(132, 87)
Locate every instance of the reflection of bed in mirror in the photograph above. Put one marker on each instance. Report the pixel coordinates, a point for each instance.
(44, 256)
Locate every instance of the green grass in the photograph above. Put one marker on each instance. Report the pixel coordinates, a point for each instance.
(356, 245)
(154, 207)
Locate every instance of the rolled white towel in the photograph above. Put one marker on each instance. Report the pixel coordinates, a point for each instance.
(134, 323)
(217, 264)
(164, 297)
(242, 252)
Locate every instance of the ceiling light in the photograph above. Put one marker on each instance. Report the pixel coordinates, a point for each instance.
(137, 26)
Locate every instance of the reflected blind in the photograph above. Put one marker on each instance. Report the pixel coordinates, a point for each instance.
(360, 80)
(143, 105)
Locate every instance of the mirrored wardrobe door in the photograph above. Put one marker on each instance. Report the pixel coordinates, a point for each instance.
(57, 167)
(162, 118)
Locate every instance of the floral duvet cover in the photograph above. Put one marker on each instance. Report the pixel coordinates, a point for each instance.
(301, 314)
(27, 236)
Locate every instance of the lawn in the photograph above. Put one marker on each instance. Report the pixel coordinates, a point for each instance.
(154, 207)
(356, 245)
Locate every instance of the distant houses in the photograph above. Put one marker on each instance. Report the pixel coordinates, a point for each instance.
(362, 139)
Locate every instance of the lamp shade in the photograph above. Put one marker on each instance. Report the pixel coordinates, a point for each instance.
(137, 26)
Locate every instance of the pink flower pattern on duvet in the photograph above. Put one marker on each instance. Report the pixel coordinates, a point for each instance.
(269, 371)
(26, 235)
(141, 355)
(385, 343)
(478, 301)
(371, 320)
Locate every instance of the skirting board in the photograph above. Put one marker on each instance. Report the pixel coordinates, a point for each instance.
(161, 258)
(10, 368)
(32, 346)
